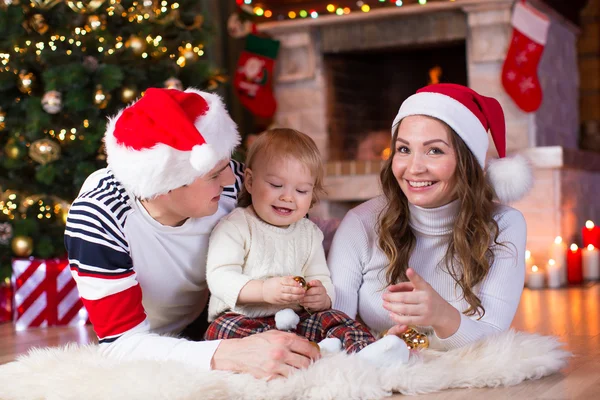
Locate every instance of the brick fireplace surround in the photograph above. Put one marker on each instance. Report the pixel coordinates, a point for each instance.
(567, 180)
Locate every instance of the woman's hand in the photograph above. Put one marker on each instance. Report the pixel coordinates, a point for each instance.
(416, 303)
(282, 290)
(316, 297)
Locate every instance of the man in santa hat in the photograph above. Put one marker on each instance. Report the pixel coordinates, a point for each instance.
(137, 236)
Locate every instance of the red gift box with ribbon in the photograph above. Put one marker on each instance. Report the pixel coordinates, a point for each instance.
(45, 294)
(5, 301)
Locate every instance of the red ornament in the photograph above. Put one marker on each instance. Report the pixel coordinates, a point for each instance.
(574, 265)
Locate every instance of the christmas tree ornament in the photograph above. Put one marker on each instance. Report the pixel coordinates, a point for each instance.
(84, 6)
(240, 24)
(25, 83)
(196, 23)
(12, 149)
(101, 98)
(2, 119)
(44, 151)
(173, 83)
(42, 4)
(52, 102)
(415, 340)
(186, 54)
(136, 44)
(6, 233)
(90, 63)
(519, 72)
(22, 246)
(38, 24)
(101, 153)
(254, 76)
(128, 94)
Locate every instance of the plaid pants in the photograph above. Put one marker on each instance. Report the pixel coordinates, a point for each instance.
(315, 327)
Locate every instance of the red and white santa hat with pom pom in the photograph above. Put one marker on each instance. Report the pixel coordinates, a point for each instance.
(167, 139)
(471, 115)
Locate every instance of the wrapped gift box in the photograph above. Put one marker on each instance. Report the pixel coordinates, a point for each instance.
(45, 294)
(5, 301)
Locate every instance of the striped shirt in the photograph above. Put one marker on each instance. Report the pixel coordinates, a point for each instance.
(137, 277)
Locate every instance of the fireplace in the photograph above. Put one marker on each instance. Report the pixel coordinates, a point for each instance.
(341, 80)
(365, 89)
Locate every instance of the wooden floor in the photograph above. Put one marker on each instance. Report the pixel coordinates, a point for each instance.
(572, 314)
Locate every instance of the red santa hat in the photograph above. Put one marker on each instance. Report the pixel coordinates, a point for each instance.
(471, 115)
(167, 139)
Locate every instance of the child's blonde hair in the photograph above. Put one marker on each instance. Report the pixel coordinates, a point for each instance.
(285, 143)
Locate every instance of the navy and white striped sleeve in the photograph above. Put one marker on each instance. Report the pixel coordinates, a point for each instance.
(233, 191)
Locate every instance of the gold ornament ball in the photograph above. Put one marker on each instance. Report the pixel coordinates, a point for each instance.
(44, 151)
(128, 94)
(12, 149)
(38, 23)
(2, 119)
(22, 246)
(25, 83)
(101, 98)
(136, 44)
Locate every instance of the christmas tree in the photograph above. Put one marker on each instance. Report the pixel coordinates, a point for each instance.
(66, 65)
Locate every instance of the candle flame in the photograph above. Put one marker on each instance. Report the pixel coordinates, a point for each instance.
(574, 247)
(590, 247)
(527, 254)
(551, 262)
(589, 224)
(534, 268)
(558, 240)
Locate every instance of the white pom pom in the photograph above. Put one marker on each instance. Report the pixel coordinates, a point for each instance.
(511, 177)
(203, 158)
(330, 345)
(286, 319)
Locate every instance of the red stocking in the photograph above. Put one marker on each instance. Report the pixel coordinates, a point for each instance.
(254, 76)
(519, 73)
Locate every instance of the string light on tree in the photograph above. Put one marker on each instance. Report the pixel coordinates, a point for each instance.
(101, 98)
(25, 82)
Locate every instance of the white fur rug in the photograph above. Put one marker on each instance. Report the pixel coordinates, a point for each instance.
(80, 372)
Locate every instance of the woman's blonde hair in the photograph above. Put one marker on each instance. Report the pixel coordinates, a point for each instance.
(285, 143)
(468, 257)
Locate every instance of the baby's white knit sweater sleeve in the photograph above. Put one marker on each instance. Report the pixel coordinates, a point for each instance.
(316, 266)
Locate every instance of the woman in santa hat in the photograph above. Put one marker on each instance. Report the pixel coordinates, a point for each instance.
(438, 250)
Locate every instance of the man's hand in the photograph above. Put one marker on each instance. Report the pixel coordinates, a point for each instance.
(282, 290)
(267, 355)
(316, 298)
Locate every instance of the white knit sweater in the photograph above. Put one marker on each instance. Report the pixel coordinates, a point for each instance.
(358, 268)
(243, 248)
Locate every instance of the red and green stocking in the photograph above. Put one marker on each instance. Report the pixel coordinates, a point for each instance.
(253, 80)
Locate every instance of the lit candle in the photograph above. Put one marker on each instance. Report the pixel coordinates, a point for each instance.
(591, 234)
(558, 253)
(535, 280)
(591, 263)
(529, 262)
(554, 274)
(574, 267)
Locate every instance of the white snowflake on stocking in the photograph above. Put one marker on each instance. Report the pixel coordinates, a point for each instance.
(522, 57)
(526, 85)
(532, 47)
(511, 75)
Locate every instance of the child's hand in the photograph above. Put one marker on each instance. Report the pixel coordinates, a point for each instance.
(282, 290)
(316, 298)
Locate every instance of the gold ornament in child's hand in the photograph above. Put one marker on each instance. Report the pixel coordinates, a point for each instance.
(302, 282)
